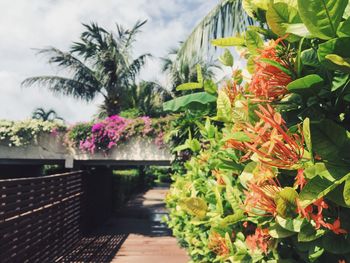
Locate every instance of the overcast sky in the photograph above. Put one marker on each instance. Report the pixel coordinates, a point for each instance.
(25, 25)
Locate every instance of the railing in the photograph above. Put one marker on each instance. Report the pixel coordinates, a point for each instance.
(40, 218)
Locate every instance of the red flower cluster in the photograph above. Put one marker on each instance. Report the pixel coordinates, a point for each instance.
(314, 212)
(218, 244)
(269, 82)
(259, 240)
(270, 140)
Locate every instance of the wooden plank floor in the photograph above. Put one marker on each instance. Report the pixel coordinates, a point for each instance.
(135, 234)
(156, 246)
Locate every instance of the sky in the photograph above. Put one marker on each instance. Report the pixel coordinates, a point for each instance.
(28, 25)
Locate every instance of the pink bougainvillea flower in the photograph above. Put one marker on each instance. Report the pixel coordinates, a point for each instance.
(259, 240)
(218, 244)
(268, 81)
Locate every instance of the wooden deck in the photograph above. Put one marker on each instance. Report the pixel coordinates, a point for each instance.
(136, 234)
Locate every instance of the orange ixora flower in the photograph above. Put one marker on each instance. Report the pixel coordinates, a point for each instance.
(314, 212)
(268, 81)
(217, 244)
(271, 141)
(260, 198)
(259, 240)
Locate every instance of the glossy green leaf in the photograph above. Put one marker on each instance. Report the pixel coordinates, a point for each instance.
(194, 206)
(339, 62)
(226, 59)
(344, 29)
(285, 201)
(253, 41)
(189, 86)
(308, 233)
(224, 112)
(210, 87)
(308, 85)
(232, 219)
(298, 29)
(228, 42)
(187, 100)
(324, 182)
(309, 57)
(279, 16)
(322, 17)
(328, 138)
(315, 252)
(293, 225)
(336, 244)
(339, 80)
(307, 134)
(276, 231)
(346, 192)
(337, 46)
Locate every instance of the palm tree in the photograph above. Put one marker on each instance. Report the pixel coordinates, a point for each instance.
(148, 98)
(101, 63)
(41, 114)
(225, 19)
(184, 71)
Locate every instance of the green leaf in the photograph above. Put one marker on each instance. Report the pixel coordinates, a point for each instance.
(328, 138)
(339, 80)
(232, 219)
(226, 59)
(298, 29)
(307, 134)
(337, 46)
(228, 42)
(189, 86)
(199, 74)
(309, 58)
(195, 206)
(293, 225)
(276, 231)
(286, 202)
(308, 233)
(224, 111)
(187, 100)
(315, 252)
(239, 136)
(322, 17)
(346, 192)
(219, 207)
(253, 41)
(210, 87)
(277, 65)
(279, 16)
(308, 85)
(327, 179)
(344, 28)
(343, 63)
(336, 244)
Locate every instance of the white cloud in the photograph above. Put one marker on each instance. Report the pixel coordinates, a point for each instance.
(34, 24)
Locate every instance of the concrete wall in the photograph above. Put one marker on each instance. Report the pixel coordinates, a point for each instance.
(52, 148)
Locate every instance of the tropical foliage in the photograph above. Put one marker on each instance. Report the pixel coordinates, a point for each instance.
(21, 133)
(266, 176)
(104, 135)
(101, 63)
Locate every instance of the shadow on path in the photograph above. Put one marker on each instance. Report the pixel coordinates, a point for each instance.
(133, 233)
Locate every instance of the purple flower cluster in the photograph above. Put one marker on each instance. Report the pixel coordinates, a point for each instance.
(114, 129)
(105, 134)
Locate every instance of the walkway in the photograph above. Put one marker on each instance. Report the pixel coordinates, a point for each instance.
(136, 234)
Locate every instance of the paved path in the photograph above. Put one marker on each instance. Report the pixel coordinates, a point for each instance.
(155, 245)
(135, 235)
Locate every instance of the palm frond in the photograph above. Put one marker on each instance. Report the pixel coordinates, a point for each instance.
(226, 19)
(65, 86)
